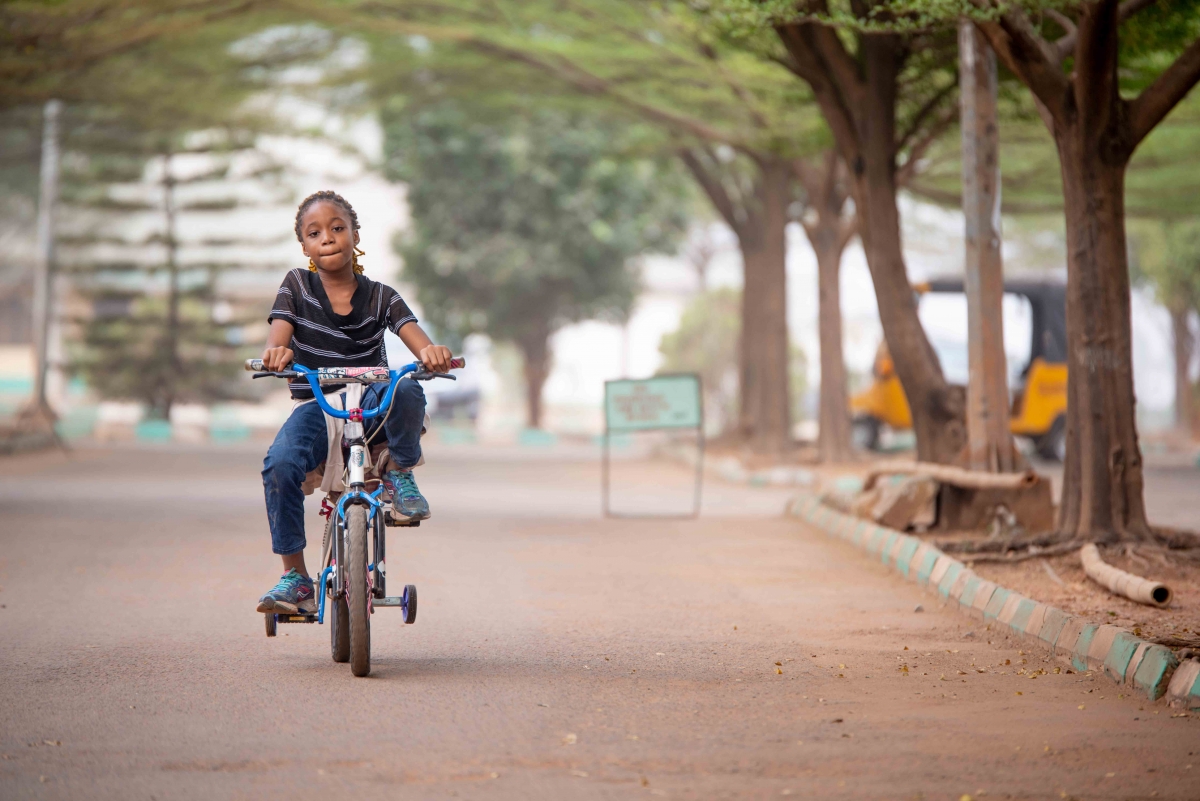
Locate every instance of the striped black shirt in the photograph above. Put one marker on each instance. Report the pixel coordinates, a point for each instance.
(323, 338)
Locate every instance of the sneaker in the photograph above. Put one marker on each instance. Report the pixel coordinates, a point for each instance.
(407, 501)
(292, 595)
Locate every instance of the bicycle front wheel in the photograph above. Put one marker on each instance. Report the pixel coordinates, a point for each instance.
(358, 590)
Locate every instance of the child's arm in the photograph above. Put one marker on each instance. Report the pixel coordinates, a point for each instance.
(434, 357)
(277, 355)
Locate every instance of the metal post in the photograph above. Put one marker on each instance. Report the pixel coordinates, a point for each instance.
(43, 277)
(989, 439)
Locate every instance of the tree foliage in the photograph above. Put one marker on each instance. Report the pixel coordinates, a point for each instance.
(522, 224)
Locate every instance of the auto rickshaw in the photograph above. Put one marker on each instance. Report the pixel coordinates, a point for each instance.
(1039, 398)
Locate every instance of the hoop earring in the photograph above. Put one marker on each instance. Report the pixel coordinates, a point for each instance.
(358, 268)
(312, 268)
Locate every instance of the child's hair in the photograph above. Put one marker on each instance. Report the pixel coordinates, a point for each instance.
(332, 197)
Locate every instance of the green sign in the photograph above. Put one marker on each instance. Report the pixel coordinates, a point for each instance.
(667, 401)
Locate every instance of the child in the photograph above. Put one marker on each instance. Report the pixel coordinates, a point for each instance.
(331, 315)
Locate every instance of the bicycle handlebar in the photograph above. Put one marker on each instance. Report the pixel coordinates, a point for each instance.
(361, 375)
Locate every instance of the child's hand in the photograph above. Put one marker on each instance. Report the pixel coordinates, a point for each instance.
(436, 358)
(276, 359)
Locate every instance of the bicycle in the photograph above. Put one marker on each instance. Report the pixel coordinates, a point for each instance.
(357, 590)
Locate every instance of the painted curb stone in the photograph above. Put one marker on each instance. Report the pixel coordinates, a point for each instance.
(1184, 689)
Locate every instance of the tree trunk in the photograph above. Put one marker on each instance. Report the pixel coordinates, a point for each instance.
(938, 410)
(535, 348)
(170, 373)
(764, 412)
(833, 438)
(1102, 474)
(857, 94)
(760, 223)
(1181, 336)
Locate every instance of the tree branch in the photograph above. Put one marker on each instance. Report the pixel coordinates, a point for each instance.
(592, 84)
(837, 107)
(1157, 99)
(917, 151)
(1131, 7)
(1023, 51)
(1065, 44)
(713, 188)
(919, 118)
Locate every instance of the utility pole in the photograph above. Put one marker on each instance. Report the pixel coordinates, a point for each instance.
(43, 302)
(990, 442)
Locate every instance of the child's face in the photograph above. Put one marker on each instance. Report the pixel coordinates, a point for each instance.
(327, 236)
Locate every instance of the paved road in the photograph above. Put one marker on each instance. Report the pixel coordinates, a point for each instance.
(557, 654)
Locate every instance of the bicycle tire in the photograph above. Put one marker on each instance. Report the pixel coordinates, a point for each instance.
(358, 590)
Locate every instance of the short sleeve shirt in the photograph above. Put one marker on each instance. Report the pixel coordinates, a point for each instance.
(323, 338)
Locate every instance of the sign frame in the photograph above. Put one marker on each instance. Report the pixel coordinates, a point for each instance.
(606, 459)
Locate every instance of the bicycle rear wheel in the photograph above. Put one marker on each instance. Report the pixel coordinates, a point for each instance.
(358, 590)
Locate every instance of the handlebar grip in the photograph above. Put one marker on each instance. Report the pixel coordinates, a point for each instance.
(254, 365)
(458, 362)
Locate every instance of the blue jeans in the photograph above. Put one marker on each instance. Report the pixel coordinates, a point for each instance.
(302, 444)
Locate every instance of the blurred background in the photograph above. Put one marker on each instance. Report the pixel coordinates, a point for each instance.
(563, 192)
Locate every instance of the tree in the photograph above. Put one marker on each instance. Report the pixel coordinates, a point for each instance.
(150, 122)
(884, 94)
(162, 328)
(524, 224)
(1113, 96)
(744, 129)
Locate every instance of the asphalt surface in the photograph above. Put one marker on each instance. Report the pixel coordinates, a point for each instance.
(556, 654)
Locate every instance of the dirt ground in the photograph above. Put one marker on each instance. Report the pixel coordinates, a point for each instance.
(557, 654)
(1079, 595)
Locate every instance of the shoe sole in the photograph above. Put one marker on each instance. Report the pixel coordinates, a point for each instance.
(284, 608)
(401, 517)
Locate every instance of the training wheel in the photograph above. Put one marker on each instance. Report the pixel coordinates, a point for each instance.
(270, 616)
(409, 604)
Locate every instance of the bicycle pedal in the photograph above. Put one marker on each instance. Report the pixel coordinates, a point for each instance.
(298, 618)
(392, 522)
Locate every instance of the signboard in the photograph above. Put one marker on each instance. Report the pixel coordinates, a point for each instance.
(668, 401)
(660, 403)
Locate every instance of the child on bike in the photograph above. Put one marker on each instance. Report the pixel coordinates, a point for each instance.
(331, 315)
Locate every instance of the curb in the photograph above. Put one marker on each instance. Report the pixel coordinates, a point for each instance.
(1152, 670)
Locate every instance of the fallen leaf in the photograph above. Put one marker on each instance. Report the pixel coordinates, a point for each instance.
(1109, 775)
(494, 775)
(52, 742)
(1081, 706)
(631, 737)
(580, 773)
(1020, 693)
(778, 664)
(570, 739)
(779, 671)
